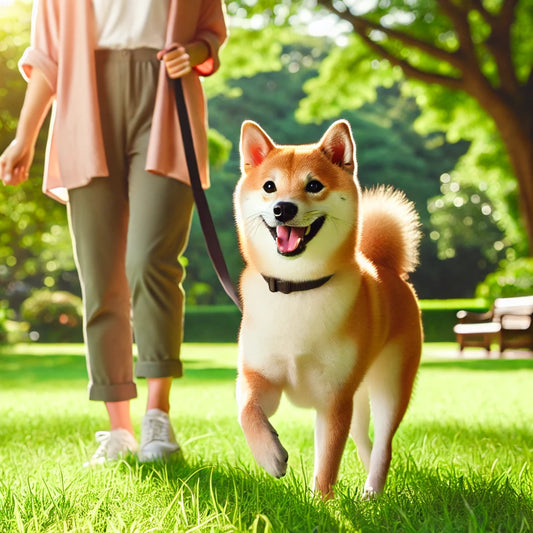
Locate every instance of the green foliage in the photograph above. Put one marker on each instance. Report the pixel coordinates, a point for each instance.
(206, 323)
(480, 197)
(340, 73)
(513, 278)
(440, 318)
(14, 37)
(247, 53)
(389, 151)
(209, 323)
(338, 86)
(468, 208)
(486, 164)
(356, 69)
(521, 38)
(219, 148)
(3, 324)
(34, 240)
(54, 316)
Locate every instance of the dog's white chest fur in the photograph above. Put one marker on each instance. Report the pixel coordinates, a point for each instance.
(295, 341)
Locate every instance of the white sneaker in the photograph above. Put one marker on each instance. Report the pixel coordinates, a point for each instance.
(157, 437)
(114, 444)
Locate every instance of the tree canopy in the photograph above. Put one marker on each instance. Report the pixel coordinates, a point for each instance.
(411, 132)
(469, 66)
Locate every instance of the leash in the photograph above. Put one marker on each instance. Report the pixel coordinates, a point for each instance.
(206, 221)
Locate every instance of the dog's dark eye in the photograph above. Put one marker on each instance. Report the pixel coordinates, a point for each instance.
(314, 186)
(269, 187)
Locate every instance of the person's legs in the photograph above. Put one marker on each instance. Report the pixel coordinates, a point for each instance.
(129, 230)
(160, 218)
(160, 215)
(98, 218)
(159, 394)
(99, 227)
(119, 415)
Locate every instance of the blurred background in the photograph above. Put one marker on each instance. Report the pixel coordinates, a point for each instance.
(439, 96)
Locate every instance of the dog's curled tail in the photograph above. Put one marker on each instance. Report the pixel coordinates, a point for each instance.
(390, 233)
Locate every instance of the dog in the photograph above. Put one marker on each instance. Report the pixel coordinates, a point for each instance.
(329, 317)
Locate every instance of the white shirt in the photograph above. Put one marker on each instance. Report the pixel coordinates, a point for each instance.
(131, 23)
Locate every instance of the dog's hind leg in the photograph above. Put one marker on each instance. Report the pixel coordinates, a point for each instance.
(331, 432)
(361, 423)
(390, 381)
(258, 399)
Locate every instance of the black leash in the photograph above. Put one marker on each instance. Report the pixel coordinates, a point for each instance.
(206, 221)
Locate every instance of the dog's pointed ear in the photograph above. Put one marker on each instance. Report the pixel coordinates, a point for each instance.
(255, 145)
(338, 145)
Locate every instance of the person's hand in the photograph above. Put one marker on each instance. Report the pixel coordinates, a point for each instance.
(177, 62)
(15, 162)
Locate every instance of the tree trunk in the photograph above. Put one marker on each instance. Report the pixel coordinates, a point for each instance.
(515, 127)
(521, 156)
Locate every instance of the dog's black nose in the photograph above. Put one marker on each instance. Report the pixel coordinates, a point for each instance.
(285, 211)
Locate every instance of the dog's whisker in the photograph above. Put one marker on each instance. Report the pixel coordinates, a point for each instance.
(253, 223)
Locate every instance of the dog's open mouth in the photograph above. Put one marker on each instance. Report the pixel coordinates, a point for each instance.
(291, 240)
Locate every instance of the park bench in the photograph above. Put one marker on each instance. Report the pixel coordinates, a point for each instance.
(509, 323)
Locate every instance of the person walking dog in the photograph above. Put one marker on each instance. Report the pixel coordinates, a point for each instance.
(115, 157)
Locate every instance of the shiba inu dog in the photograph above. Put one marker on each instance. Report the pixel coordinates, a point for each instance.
(329, 317)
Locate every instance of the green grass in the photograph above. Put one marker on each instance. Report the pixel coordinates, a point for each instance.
(462, 460)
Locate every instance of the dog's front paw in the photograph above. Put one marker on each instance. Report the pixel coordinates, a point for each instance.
(272, 456)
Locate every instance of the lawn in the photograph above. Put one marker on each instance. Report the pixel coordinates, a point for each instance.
(462, 463)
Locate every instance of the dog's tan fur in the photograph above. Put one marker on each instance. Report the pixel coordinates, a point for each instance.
(356, 337)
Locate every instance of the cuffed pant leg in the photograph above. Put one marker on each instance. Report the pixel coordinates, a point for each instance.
(98, 219)
(160, 217)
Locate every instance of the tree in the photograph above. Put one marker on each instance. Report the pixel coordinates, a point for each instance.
(34, 238)
(389, 151)
(466, 55)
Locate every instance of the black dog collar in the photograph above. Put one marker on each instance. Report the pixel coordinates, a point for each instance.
(286, 287)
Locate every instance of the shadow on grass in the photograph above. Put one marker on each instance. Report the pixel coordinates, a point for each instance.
(18, 369)
(23, 368)
(251, 500)
(422, 500)
(26, 369)
(429, 501)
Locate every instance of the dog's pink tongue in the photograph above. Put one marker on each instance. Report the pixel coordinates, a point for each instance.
(288, 238)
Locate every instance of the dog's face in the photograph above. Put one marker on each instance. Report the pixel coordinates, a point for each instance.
(296, 206)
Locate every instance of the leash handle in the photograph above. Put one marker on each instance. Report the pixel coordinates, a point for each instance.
(206, 221)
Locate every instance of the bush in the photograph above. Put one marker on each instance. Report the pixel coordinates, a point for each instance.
(3, 325)
(212, 323)
(440, 316)
(53, 316)
(56, 317)
(513, 278)
(221, 323)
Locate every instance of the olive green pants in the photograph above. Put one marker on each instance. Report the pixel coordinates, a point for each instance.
(128, 230)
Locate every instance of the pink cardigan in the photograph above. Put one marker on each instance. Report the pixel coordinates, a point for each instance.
(75, 152)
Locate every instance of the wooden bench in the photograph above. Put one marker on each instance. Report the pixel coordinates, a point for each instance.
(509, 323)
